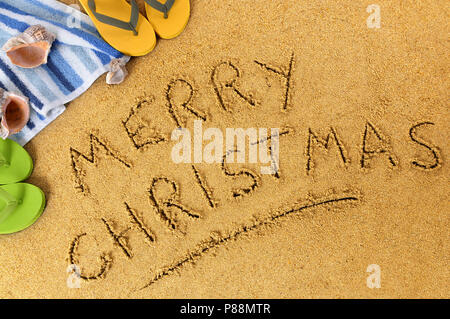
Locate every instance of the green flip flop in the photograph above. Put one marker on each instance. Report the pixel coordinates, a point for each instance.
(21, 205)
(16, 164)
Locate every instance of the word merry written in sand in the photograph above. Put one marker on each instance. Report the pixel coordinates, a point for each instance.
(172, 212)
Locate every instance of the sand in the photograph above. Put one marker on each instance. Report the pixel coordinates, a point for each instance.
(311, 68)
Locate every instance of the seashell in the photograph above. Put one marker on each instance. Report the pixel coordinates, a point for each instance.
(31, 48)
(118, 72)
(14, 113)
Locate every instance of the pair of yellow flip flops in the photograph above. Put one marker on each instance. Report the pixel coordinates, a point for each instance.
(125, 29)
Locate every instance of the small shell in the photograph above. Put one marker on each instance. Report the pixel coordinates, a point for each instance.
(14, 113)
(31, 48)
(118, 72)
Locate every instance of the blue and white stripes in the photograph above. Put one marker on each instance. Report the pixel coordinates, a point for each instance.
(78, 57)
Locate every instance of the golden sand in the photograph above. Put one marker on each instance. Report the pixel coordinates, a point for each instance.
(363, 166)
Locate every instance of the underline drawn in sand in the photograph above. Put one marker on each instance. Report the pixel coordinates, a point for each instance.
(180, 96)
(216, 241)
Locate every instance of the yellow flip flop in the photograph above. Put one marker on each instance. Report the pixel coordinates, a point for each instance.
(170, 18)
(121, 25)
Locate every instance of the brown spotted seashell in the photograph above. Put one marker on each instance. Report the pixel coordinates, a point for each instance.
(31, 48)
(14, 113)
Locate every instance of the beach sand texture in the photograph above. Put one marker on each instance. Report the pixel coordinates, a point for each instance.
(363, 175)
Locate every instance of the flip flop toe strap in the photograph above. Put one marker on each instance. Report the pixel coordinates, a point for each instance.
(164, 8)
(131, 25)
(11, 204)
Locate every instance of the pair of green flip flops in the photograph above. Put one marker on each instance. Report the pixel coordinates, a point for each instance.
(21, 204)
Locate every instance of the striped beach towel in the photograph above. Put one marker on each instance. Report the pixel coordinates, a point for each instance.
(78, 57)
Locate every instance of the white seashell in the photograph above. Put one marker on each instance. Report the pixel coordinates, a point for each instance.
(118, 72)
(30, 49)
(14, 113)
